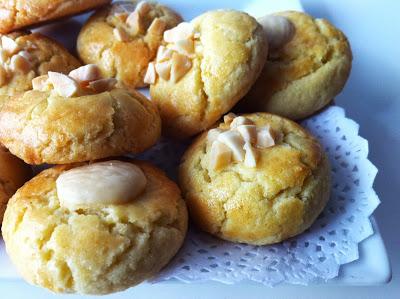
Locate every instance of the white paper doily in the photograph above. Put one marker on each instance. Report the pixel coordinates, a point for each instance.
(313, 256)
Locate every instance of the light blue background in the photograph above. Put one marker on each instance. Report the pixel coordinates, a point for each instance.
(372, 98)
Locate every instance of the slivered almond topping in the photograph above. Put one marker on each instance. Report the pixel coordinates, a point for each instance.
(102, 85)
(184, 46)
(133, 21)
(234, 141)
(265, 138)
(220, 155)
(228, 118)
(3, 76)
(163, 69)
(163, 54)
(120, 34)
(181, 64)
(20, 64)
(250, 159)
(64, 85)
(143, 7)
(150, 77)
(240, 120)
(89, 72)
(157, 27)
(213, 134)
(183, 31)
(248, 132)
(122, 16)
(41, 83)
(9, 45)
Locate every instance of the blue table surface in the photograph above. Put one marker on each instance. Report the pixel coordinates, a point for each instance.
(372, 98)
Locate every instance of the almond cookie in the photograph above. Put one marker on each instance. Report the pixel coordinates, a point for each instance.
(77, 117)
(256, 179)
(13, 174)
(123, 38)
(94, 228)
(24, 56)
(303, 74)
(18, 14)
(205, 67)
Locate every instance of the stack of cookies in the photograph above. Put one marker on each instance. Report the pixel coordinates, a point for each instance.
(97, 221)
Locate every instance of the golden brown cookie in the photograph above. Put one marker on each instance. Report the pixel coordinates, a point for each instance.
(13, 174)
(215, 59)
(96, 249)
(277, 195)
(305, 74)
(77, 118)
(123, 38)
(18, 14)
(24, 56)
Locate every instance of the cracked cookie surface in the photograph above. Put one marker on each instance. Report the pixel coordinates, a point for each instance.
(278, 199)
(229, 55)
(15, 14)
(45, 55)
(43, 127)
(124, 60)
(306, 74)
(93, 250)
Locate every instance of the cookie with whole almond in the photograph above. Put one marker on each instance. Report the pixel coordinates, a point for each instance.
(19, 14)
(204, 68)
(307, 67)
(256, 178)
(77, 117)
(123, 38)
(24, 56)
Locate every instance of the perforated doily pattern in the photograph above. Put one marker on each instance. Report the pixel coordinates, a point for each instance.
(312, 256)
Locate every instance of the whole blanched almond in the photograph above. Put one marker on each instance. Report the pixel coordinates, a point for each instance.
(150, 76)
(89, 72)
(64, 85)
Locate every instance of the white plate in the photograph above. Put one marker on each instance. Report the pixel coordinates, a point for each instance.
(371, 268)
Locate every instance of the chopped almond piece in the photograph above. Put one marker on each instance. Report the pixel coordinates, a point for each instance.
(102, 85)
(181, 64)
(41, 83)
(20, 64)
(250, 159)
(184, 46)
(150, 77)
(120, 34)
(183, 31)
(220, 155)
(122, 16)
(133, 22)
(163, 54)
(9, 45)
(3, 76)
(157, 27)
(89, 72)
(143, 7)
(234, 141)
(64, 85)
(264, 137)
(248, 132)
(163, 69)
(228, 118)
(213, 134)
(241, 120)
(3, 56)
(26, 55)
